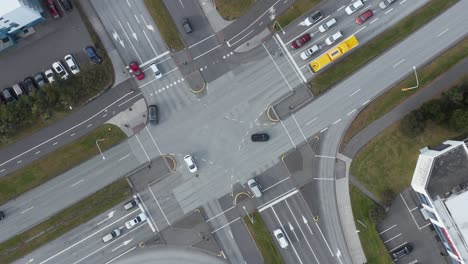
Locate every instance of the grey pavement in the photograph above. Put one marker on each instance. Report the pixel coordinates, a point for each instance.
(133, 119)
(414, 101)
(217, 22)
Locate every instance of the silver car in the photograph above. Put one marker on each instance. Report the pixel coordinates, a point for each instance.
(385, 3)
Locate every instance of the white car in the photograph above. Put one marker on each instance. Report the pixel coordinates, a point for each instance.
(156, 71)
(139, 219)
(281, 238)
(113, 234)
(309, 52)
(333, 38)
(255, 188)
(72, 65)
(324, 27)
(60, 70)
(312, 19)
(385, 3)
(49, 75)
(192, 167)
(354, 6)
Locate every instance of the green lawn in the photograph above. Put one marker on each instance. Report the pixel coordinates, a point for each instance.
(58, 161)
(296, 10)
(365, 53)
(165, 24)
(263, 239)
(394, 96)
(232, 10)
(373, 246)
(64, 221)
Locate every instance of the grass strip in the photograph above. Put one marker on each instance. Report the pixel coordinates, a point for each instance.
(64, 221)
(394, 96)
(232, 10)
(165, 24)
(361, 56)
(374, 248)
(299, 8)
(58, 161)
(263, 239)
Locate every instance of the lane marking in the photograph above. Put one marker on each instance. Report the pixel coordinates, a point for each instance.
(328, 157)
(336, 122)
(402, 2)
(223, 212)
(151, 45)
(340, 8)
(250, 32)
(311, 121)
(320, 230)
(27, 209)
(290, 59)
(128, 38)
(131, 98)
(373, 21)
(2, 170)
(389, 11)
(355, 92)
(286, 234)
(366, 102)
(323, 130)
(72, 134)
(390, 239)
(203, 54)
(216, 230)
(37, 152)
(266, 189)
(387, 229)
(76, 183)
(55, 143)
(324, 179)
(154, 141)
(359, 30)
(89, 125)
(155, 58)
(19, 161)
(124, 157)
(147, 212)
(284, 78)
(136, 18)
(297, 124)
(277, 199)
(289, 136)
(441, 33)
(305, 31)
(350, 113)
(138, 139)
(154, 197)
(200, 41)
(398, 63)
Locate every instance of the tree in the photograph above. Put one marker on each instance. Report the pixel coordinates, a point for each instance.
(455, 95)
(413, 124)
(433, 110)
(459, 119)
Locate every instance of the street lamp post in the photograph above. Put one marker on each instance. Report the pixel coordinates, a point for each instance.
(276, 23)
(97, 141)
(417, 82)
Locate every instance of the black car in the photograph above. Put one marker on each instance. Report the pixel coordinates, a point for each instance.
(93, 56)
(66, 4)
(40, 79)
(2, 215)
(8, 95)
(186, 25)
(402, 251)
(260, 137)
(29, 84)
(153, 114)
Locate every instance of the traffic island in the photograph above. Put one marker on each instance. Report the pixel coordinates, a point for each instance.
(132, 120)
(171, 162)
(196, 82)
(271, 114)
(292, 102)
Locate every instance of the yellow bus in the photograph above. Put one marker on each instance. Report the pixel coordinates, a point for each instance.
(333, 54)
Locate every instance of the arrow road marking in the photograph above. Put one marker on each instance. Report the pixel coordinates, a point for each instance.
(306, 223)
(292, 229)
(109, 216)
(126, 242)
(150, 27)
(133, 33)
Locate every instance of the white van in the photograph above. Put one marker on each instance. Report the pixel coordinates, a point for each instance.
(156, 71)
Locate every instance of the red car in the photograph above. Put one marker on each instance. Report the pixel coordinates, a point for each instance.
(137, 71)
(364, 16)
(52, 9)
(301, 41)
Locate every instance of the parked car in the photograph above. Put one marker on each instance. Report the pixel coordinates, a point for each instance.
(29, 84)
(324, 27)
(49, 75)
(60, 70)
(309, 52)
(364, 16)
(385, 3)
(113, 234)
(139, 219)
(255, 187)
(333, 38)
(186, 25)
(18, 90)
(354, 7)
(260, 137)
(301, 41)
(52, 9)
(2, 215)
(136, 70)
(281, 238)
(156, 71)
(131, 204)
(66, 4)
(8, 96)
(401, 251)
(40, 79)
(312, 19)
(72, 64)
(93, 56)
(153, 114)
(190, 164)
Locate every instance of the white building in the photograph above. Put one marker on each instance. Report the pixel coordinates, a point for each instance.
(441, 182)
(16, 16)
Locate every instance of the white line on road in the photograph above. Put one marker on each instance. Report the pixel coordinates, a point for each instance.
(366, 102)
(286, 233)
(128, 251)
(201, 41)
(76, 183)
(306, 47)
(72, 134)
(37, 152)
(350, 113)
(124, 157)
(55, 143)
(264, 190)
(128, 38)
(398, 63)
(324, 179)
(203, 54)
(151, 45)
(402, 2)
(290, 59)
(390, 239)
(217, 229)
(277, 199)
(129, 99)
(180, 1)
(154, 141)
(305, 31)
(387, 229)
(355, 92)
(389, 11)
(373, 21)
(136, 18)
(220, 214)
(323, 130)
(27, 209)
(123, 244)
(340, 8)
(89, 125)
(402, 244)
(328, 157)
(250, 32)
(128, 3)
(155, 58)
(284, 78)
(230, 233)
(297, 124)
(440, 34)
(19, 161)
(150, 223)
(320, 230)
(311, 121)
(154, 197)
(2, 170)
(336, 122)
(289, 136)
(359, 30)
(149, 160)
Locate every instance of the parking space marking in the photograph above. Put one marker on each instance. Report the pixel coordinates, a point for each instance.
(264, 190)
(412, 216)
(286, 234)
(217, 229)
(390, 239)
(402, 244)
(223, 212)
(387, 229)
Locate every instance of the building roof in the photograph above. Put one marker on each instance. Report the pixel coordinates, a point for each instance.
(8, 5)
(456, 206)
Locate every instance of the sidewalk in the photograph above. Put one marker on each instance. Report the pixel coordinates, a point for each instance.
(217, 22)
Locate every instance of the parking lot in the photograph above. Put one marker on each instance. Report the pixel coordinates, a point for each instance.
(52, 40)
(405, 224)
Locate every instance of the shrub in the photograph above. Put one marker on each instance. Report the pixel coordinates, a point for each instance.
(413, 123)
